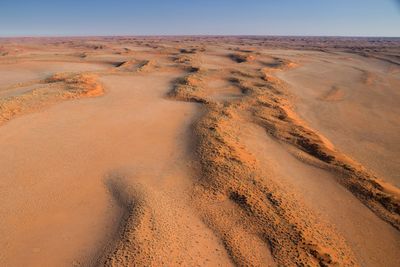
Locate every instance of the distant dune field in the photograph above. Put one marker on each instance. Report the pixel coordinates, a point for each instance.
(200, 151)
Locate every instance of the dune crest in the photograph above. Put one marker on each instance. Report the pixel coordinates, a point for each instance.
(58, 87)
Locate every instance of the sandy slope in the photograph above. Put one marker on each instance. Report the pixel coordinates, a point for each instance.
(354, 102)
(75, 149)
(198, 152)
(369, 237)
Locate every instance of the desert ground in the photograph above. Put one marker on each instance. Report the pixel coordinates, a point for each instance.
(200, 151)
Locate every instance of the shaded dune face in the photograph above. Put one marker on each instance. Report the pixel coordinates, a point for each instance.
(198, 151)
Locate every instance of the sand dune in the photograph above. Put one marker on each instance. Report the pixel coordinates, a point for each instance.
(198, 151)
(53, 89)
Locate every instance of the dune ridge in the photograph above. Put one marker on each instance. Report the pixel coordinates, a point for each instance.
(230, 173)
(269, 106)
(58, 87)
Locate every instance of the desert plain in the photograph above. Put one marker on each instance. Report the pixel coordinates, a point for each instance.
(200, 151)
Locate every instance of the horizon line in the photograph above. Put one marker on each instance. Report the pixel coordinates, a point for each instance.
(190, 35)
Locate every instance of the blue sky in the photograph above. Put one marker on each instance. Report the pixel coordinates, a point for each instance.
(211, 17)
